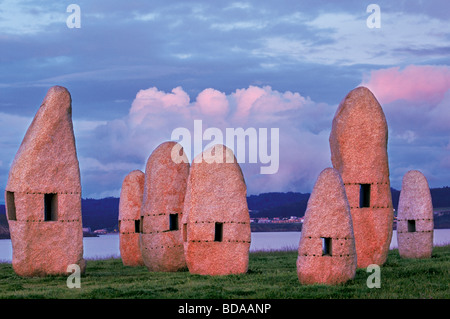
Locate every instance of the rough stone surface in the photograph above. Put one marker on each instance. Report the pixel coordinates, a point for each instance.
(358, 143)
(327, 216)
(129, 218)
(46, 163)
(164, 192)
(216, 194)
(416, 209)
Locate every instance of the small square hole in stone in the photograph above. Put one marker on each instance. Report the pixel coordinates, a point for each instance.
(326, 246)
(364, 195)
(173, 222)
(218, 232)
(137, 225)
(11, 206)
(184, 232)
(50, 207)
(411, 226)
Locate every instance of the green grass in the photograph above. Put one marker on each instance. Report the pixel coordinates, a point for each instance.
(271, 275)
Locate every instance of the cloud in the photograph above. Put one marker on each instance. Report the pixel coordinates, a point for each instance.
(152, 102)
(18, 17)
(416, 102)
(155, 114)
(343, 38)
(414, 83)
(212, 103)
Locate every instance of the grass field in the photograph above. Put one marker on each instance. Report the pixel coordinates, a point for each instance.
(271, 275)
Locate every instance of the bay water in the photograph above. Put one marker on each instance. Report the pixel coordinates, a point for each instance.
(106, 246)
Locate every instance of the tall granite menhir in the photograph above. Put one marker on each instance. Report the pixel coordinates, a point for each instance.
(216, 222)
(129, 218)
(162, 209)
(326, 253)
(415, 217)
(358, 143)
(43, 193)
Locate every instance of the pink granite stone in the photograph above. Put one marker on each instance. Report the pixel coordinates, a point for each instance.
(216, 221)
(358, 143)
(415, 217)
(130, 217)
(162, 209)
(43, 193)
(326, 253)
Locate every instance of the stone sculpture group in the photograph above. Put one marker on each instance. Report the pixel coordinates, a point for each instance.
(177, 215)
(362, 234)
(195, 217)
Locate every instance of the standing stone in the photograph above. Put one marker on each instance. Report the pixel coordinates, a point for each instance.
(162, 209)
(43, 193)
(216, 221)
(415, 217)
(358, 143)
(130, 217)
(326, 253)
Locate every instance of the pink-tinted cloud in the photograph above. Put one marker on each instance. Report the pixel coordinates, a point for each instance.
(152, 101)
(414, 83)
(418, 129)
(212, 103)
(416, 102)
(245, 99)
(154, 115)
(264, 104)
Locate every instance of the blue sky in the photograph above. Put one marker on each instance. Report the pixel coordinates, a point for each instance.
(139, 69)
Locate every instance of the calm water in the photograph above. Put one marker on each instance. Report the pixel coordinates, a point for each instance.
(108, 245)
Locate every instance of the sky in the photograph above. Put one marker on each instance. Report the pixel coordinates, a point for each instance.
(138, 70)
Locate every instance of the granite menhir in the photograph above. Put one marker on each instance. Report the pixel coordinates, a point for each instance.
(216, 221)
(130, 217)
(326, 253)
(160, 239)
(358, 143)
(43, 193)
(415, 217)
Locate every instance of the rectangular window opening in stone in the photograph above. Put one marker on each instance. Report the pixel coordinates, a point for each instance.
(185, 232)
(364, 195)
(11, 205)
(50, 207)
(137, 225)
(120, 228)
(141, 225)
(411, 226)
(218, 232)
(326, 246)
(173, 222)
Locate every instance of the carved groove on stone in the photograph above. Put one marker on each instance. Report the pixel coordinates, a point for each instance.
(417, 231)
(45, 221)
(357, 207)
(213, 222)
(43, 193)
(322, 256)
(161, 247)
(213, 241)
(373, 183)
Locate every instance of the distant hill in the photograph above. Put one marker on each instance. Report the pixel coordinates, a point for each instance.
(100, 213)
(104, 213)
(277, 204)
